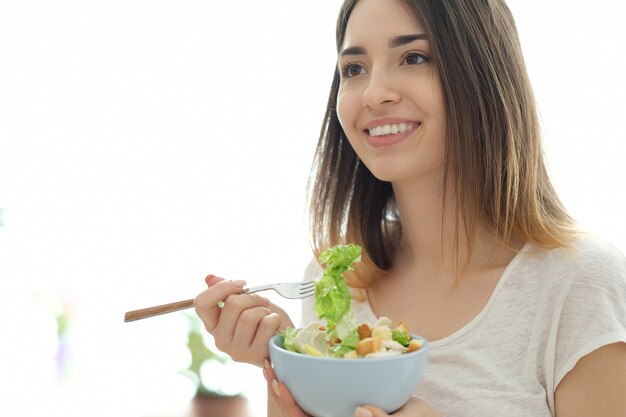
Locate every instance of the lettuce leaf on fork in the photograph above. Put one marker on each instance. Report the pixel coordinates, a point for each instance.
(332, 303)
(332, 296)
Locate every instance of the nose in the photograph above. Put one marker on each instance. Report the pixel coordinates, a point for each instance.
(380, 91)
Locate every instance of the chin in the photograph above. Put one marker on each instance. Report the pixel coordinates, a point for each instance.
(386, 175)
(397, 173)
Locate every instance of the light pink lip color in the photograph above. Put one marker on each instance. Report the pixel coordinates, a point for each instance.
(388, 140)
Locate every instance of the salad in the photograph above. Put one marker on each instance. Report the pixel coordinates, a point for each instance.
(341, 336)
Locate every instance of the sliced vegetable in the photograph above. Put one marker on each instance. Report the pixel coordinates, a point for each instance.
(288, 339)
(401, 336)
(341, 337)
(332, 296)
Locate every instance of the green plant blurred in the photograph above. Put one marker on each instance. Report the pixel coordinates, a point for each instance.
(200, 354)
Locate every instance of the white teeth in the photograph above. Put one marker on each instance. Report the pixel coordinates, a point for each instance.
(391, 129)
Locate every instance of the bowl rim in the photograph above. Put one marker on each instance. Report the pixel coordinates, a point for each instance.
(303, 356)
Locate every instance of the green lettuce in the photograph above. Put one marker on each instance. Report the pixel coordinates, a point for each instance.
(332, 296)
(401, 336)
(288, 339)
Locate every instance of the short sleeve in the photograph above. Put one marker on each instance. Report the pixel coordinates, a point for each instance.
(591, 307)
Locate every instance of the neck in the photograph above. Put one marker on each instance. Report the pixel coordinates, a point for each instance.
(426, 233)
(429, 231)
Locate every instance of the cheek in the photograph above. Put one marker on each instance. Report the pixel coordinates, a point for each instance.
(341, 107)
(437, 115)
(346, 110)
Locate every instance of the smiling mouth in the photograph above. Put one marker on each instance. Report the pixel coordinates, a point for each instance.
(391, 129)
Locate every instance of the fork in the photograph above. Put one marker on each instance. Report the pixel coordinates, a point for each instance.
(292, 290)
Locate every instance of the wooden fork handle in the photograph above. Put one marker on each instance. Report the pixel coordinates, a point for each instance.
(156, 310)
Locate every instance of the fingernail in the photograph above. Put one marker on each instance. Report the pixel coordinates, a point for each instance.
(275, 388)
(266, 364)
(265, 374)
(239, 282)
(363, 412)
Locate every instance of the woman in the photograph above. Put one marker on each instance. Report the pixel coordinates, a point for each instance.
(430, 159)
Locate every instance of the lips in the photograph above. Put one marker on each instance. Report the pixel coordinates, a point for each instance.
(391, 129)
(388, 131)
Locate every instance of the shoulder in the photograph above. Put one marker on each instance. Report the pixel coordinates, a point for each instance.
(597, 263)
(586, 260)
(596, 254)
(578, 290)
(589, 284)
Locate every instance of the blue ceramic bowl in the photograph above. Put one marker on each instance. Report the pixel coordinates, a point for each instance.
(333, 387)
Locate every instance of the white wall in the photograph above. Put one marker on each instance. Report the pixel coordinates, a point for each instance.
(144, 144)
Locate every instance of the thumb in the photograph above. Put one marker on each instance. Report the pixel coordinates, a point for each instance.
(212, 279)
(413, 407)
(369, 411)
(285, 321)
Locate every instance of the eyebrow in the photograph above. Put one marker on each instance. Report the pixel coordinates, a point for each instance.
(404, 39)
(394, 42)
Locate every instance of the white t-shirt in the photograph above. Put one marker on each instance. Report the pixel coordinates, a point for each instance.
(549, 309)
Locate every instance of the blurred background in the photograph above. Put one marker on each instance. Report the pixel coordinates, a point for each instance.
(145, 144)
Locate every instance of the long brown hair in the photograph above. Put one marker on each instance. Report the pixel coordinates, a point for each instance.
(493, 163)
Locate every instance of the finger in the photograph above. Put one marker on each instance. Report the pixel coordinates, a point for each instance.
(287, 402)
(247, 326)
(414, 407)
(220, 290)
(268, 327)
(268, 371)
(284, 317)
(234, 305)
(369, 411)
(270, 377)
(206, 303)
(279, 394)
(212, 279)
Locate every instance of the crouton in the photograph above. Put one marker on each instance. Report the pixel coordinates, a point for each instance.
(365, 331)
(415, 344)
(368, 345)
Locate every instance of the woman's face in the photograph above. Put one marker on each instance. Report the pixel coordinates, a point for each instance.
(390, 103)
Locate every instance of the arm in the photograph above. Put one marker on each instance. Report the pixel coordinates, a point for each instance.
(595, 387)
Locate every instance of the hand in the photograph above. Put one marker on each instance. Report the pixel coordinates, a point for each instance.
(415, 407)
(280, 401)
(243, 326)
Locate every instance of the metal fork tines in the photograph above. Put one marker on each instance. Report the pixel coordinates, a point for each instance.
(287, 289)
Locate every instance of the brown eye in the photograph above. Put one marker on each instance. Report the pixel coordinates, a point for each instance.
(413, 58)
(352, 70)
